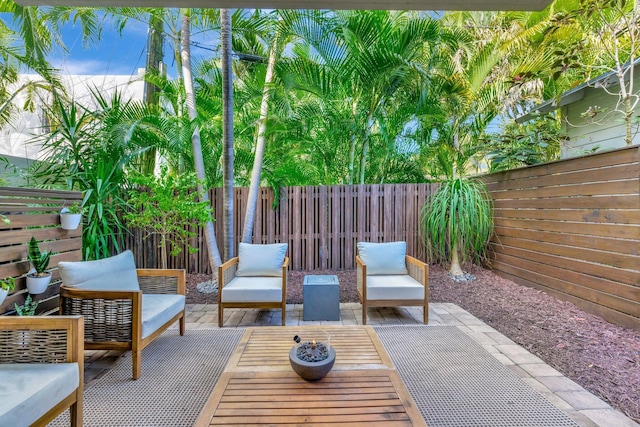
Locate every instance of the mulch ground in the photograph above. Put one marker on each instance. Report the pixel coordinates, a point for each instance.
(601, 357)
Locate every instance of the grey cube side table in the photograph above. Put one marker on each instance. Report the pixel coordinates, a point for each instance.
(321, 297)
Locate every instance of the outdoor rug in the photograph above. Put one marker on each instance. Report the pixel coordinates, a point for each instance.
(455, 382)
(178, 375)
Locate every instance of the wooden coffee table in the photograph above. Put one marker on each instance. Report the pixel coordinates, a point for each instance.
(259, 387)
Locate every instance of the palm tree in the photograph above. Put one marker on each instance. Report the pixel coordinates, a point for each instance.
(227, 133)
(256, 171)
(210, 236)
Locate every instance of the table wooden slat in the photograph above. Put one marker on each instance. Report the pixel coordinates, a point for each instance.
(267, 348)
(342, 397)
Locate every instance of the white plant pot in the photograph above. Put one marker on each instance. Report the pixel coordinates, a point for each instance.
(37, 285)
(69, 221)
(3, 294)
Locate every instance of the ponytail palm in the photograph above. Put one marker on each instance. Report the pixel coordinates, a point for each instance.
(458, 223)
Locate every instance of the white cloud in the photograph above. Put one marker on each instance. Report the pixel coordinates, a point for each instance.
(93, 67)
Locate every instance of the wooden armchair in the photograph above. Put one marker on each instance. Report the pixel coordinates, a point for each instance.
(256, 278)
(125, 308)
(44, 355)
(387, 277)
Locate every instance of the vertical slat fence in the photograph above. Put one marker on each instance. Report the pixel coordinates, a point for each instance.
(321, 224)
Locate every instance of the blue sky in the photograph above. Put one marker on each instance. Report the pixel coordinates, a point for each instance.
(114, 54)
(117, 54)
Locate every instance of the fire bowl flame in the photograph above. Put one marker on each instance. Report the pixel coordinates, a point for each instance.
(311, 360)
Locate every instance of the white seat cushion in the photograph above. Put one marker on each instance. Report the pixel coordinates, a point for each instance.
(253, 289)
(30, 390)
(383, 258)
(116, 273)
(261, 260)
(157, 309)
(398, 287)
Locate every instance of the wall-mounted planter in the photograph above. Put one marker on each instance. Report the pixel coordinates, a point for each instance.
(37, 285)
(69, 221)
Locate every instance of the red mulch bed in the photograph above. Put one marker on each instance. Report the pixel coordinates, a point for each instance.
(602, 357)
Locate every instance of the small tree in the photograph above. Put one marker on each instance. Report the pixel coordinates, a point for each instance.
(167, 206)
(612, 46)
(457, 219)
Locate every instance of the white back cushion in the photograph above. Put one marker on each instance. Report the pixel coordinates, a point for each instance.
(261, 260)
(383, 258)
(116, 273)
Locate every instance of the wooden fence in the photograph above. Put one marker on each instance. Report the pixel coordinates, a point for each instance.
(572, 229)
(321, 224)
(35, 213)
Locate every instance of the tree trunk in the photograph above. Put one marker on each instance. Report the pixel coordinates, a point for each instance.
(455, 269)
(155, 55)
(254, 187)
(365, 146)
(352, 146)
(227, 134)
(628, 120)
(185, 47)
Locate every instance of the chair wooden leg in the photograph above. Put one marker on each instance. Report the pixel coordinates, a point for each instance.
(136, 356)
(183, 322)
(75, 414)
(364, 313)
(220, 318)
(426, 314)
(284, 316)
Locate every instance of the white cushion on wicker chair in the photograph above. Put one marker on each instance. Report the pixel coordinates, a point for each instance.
(383, 258)
(261, 260)
(253, 289)
(30, 390)
(388, 287)
(116, 273)
(158, 309)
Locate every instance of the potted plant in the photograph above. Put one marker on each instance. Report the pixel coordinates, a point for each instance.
(38, 280)
(28, 308)
(7, 284)
(71, 216)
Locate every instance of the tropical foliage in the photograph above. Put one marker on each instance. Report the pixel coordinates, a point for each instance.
(319, 97)
(166, 206)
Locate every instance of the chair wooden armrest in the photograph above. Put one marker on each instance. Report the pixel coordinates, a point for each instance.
(418, 270)
(226, 273)
(162, 281)
(361, 279)
(48, 345)
(112, 318)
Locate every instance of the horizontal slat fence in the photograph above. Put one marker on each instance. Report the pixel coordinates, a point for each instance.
(35, 212)
(322, 225)
(572, 229)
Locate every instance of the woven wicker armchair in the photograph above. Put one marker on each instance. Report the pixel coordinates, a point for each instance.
(403, 281)
(44, 354)
(114, 318)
